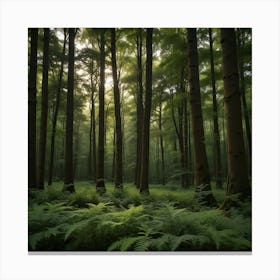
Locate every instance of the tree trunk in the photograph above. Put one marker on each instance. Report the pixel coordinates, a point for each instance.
(44, 111)
(139, 120)
(237, 169)
(161, 139)
(54, 121)
(32, 91)
(100, 182)
(144, 178)
(118, 163)
(186, 133)
(217, 145)
(179, 130)
(202, 176)
(92, 148)
(90, 169)
(243, 98)
(68, 165)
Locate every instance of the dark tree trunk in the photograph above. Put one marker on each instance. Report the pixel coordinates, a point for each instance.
(139, 109)
(32, 92)
(44, 111)
(68, 165)
(76, 149)
(179, 130)
(114, 155)
(217, 145)
(92, 148)
(202, 176)
(243, 98)
(190, 161)
(90, 169)
(54, 120)
(237, 169)
(118, 162)
(161, 139)
(186, 132)
(144, 178)
(100, 182)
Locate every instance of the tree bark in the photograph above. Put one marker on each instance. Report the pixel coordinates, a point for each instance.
(140, 109)
(100, 182)
(161, 139)
(144, 179)
(237, 169)
(68, 165)
(243, 97)
(44, 111)
(216, 132)
(54, 120)
(92, 148)
(118, 124)
(32, 92)
(202, 176)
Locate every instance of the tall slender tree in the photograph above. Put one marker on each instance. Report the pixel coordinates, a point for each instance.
(217, 145)
(44, 111)
(202, 176)
(237, 169)
(118, 125)
(68, 165)
(161, 138)
(100, 181)
(32, 92)
(57, 103)
(92, 137)
(139, 109)
(144, 178)
(240, 45)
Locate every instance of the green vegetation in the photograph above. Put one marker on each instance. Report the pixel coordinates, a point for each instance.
(166, 220)
(164, 114)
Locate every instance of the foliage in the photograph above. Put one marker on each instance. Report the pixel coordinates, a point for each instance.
(126, 221)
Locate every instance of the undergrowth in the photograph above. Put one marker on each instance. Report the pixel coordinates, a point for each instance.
(167, 220)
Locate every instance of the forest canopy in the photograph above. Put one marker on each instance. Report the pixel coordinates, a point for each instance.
(139, 138)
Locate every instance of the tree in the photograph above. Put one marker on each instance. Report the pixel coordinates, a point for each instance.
(217, 146)
(237, 169)
(100, 182)
(202, 176)
(32, 92)
(118, 124)
(139, 109)
(144, 178)
(44, 111)
(54, 120)
(68, 164)
(240, 44)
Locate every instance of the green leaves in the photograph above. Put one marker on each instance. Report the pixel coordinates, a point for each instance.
(158, 223)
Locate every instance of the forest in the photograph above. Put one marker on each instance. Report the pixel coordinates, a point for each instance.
(139, 139)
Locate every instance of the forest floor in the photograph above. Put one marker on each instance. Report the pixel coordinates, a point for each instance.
(166, 220)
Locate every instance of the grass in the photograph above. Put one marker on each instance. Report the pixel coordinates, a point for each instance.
(166, 220)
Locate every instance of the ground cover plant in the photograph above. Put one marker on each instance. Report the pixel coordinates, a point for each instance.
(167, 220)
